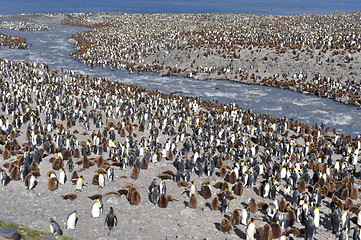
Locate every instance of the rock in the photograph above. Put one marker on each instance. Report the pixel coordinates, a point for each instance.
(9, 233)
(71, 41)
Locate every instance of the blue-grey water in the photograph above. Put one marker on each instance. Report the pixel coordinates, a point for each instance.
(184, 6)
(52, 48)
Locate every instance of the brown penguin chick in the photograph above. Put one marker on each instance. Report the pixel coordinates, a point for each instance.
(130, 192)
(95, 179)
(232, 177)
(123, 191)
(122, 132)
(52, 183)
(34, 167)
(223, 172)
(235, 217)
(58, 163)
(225, 225)
(292, 217)
(344, 193)
(135, 173)
(171, 199)
(66, 154)
(169, 172)
(95, 196)
(238, 189)
(354, 193)
(224, 186)
(206, 191)
(253, 207)
(215, 204)
(113, 192)
(165, 176)
(70, 196)
(348, 202)
(182, 183)
(6, 154)
(219, 163)
(282, 204)
(15, 173)
(311, 164)
(144, 163)
(293, 231)
(170, 155)
(301, 186)
(276, 230)
(163, 201)
(335, 201)
(101, 170)
(193, 201)
(141, 127)
(74, 176)
(100, 161)
(87, 163)
(265, 232)
(262, 205)
(135, 198)
(34, 173)
(218, 185)
(129, 185)
(76, 153)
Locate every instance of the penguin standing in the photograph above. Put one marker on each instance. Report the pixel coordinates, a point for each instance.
(110, 174)
(72, 220)
(101, 180)
(245, 215)
(55, 228)
(310, 228)
(316, 217)
(79, 184)
(250, 230)
(343, 234)
(111, 220)
(97, 208)
(62, 176)
(335, 220)
(357, 233)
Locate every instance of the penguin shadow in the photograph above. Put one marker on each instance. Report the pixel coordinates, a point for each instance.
(226, 216)
(208, 205)
(256, 190)
(239, 232)
(218, 226)
(325, 222)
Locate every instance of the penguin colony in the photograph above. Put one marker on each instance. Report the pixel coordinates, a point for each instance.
(260, 177)
(13, 41)
(297, 52)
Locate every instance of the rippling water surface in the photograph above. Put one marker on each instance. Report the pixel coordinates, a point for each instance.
(52, 48)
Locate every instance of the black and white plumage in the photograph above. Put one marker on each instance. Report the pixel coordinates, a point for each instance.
(111, 220)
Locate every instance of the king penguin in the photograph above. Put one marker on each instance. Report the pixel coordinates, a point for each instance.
(357, 233)
(97, 208)
(310, 228)
(62, 176)
(72, 220)
(111, 220)
(55, 228)
(250, 230)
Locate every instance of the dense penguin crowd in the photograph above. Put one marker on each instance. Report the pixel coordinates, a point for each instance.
(259, 176)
